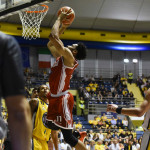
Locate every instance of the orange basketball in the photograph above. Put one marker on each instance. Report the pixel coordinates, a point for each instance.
(70, 17)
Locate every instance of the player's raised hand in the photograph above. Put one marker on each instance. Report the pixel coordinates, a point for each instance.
(64, 14)
(111, 108)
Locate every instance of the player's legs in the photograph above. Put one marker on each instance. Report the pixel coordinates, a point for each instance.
(71, 140)
(54, 134)
(19, 121)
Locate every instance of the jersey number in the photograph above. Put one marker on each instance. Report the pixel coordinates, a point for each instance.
(59, 119)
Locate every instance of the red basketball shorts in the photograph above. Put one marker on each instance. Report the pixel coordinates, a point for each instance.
(60, 111)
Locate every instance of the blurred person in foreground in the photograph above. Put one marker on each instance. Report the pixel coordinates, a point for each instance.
(12, 89)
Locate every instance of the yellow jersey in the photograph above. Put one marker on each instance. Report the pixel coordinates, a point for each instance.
(99, 147)
(40, 130)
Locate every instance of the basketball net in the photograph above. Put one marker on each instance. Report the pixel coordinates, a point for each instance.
(31, 21)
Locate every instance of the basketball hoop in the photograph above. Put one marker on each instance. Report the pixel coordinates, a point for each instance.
(31, 20)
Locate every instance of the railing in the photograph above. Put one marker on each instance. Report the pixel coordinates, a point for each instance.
(96, 106)
(109, 72)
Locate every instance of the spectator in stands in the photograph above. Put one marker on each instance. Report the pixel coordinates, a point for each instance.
(79, 125)
(88, 88)
(122, 135)
(125, 92)
(92, 78)
(114, 145)
(119, 122)
(86, 98)
(93, 96)
(115, 134)
(106, 146)
(137, 145)
(105, 126)
(95, 122)
(130, 146)
(90, 135)
(104, 117)
(123, 82)
(99, 145)
(131, 95)
(95, 84)
(107, 139)
(92, 145)
(121, 146)
(134, 141)
(65, 146)
(139, 82)
(91, 84)
(112, 89)
(82, 106)
(109, 95)
(99, 96)
(120, 94)
(93, 89)
(102, 89)
(126, 133)
(98, 118)
(125, 122)
(113, 122)
(99, 124)
(100, 81)
(105, 94)
(130, 77)
(115, 93)
(131, 134)
(95, 137)
(101, 136)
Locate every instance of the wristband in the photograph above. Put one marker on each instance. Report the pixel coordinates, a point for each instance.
(118, 110)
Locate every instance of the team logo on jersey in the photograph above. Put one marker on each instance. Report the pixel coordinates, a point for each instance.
(44, 119)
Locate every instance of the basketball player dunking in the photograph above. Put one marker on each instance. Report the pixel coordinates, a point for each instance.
(138, 112)
(61, 101)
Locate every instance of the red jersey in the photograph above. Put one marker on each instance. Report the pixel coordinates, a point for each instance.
(60, 76)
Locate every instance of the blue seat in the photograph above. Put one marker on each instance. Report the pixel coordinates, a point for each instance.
(100, 102)
(86, 127)
(105, 102)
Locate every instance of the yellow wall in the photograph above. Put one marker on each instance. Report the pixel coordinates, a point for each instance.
(85, 35)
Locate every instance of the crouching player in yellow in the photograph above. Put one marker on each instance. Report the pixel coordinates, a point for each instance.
(39, 105)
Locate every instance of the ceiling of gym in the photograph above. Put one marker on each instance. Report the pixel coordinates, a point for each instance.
(108, 15)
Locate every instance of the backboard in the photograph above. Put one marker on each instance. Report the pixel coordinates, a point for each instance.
(10, 7)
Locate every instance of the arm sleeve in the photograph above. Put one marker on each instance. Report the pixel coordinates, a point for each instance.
(12, 69)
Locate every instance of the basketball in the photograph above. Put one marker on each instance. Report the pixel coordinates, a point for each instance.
(70, 17)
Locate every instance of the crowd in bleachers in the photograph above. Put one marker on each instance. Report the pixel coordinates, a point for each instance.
(108, 134)
(102, 91)
(35, 78)
(121, 140)
(105, 123)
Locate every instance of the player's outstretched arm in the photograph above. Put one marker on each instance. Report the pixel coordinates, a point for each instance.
(138, 112)
(56, 42)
